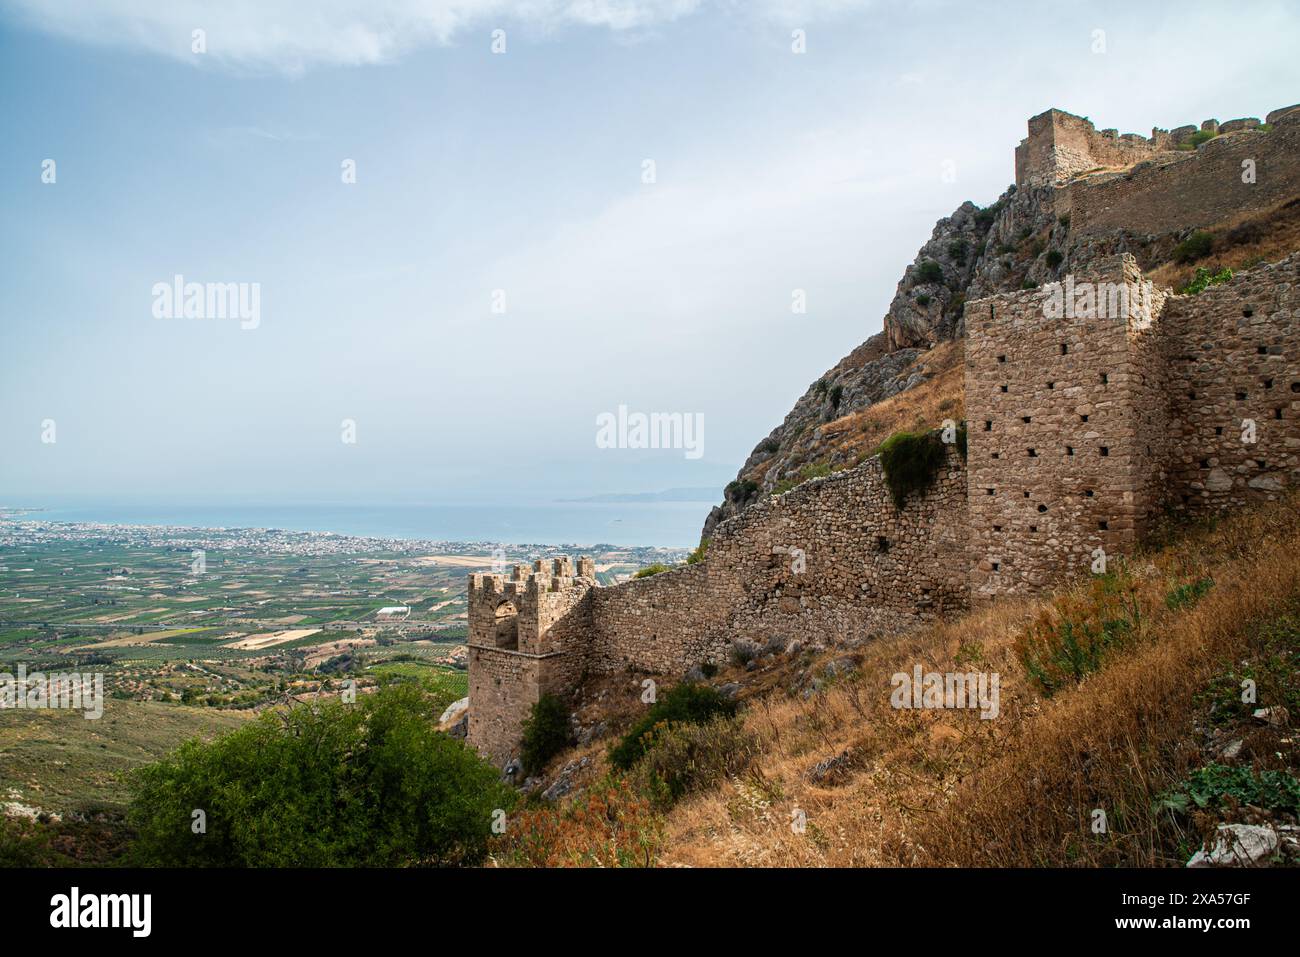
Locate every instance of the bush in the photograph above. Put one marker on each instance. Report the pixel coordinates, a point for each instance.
(923, 300)
(690, 757)
(929, 271)
(608, 825)
(701, 550)
(1196, 139)
(741, 490)
(810, 471)
(1194, 247)
(1054, 258)
(767, 446)
(1204, 278)
(1073, 637)
(836, 394)
(910, 461)
(545, 733)
(687, 703)
(329, 785)
(649, 570)
(957, 250)
(1187, 595)
(1217, 786)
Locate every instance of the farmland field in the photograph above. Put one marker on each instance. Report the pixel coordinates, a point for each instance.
(195, 631)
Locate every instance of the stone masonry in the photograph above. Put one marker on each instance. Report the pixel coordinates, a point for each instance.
(1094, 406)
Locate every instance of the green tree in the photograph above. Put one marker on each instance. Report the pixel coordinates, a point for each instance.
(324, 785)
(545, 733)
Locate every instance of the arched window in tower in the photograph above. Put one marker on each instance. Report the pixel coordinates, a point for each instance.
(507, 626)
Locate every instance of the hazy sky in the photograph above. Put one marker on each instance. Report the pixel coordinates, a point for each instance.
(522, 172)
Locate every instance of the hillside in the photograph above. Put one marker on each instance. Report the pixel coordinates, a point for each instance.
(1154, 733)
(1021, 240)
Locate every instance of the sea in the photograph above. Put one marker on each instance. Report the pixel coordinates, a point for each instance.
(664, 524)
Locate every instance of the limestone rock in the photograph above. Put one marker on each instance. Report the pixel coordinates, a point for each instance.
(1237, 845)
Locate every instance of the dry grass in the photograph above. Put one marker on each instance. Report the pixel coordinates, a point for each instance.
(855, 436)
(1243, 241)
(947, 788)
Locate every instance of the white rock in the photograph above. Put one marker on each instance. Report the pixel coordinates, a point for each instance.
(454, 711)
(1237, 845)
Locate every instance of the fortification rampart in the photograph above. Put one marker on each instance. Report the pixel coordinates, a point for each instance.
(1094, 406)
(833, 559)
(1063, 452)
(1234, 173)
(1233, 360)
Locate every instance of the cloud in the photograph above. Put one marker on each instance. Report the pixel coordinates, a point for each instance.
(290, 36)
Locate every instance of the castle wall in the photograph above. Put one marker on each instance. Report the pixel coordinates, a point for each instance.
(1233, 352)
(1061, 145)
(1084, 422)
(1198, 188)
(831, 559)
(1064, 429)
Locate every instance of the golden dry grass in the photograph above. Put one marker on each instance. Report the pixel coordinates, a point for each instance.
(947, 788)
(1240, 242)
(852, 438)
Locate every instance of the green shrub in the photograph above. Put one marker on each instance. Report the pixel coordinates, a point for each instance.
(929, 271)
(1054, 258)
(836, 394)
(741, 490)
(1196, 139)
(545, 733)
(687, 703)
(1217, 786)
(910, 460)
(1064, 220)
(1204, 278)
(1074, 636)
(985, 217)
(810, 471)
(325, 785)
(923, 300)
(1194, 247)
(1188, 594)
(649, 570)
(701, 550)
(958, 249)
(691, 757)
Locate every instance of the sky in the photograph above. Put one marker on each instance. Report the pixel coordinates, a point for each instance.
(612, 208)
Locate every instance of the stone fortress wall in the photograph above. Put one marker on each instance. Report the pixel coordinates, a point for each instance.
(1152, 186)
(1085, 424)
(830, 557)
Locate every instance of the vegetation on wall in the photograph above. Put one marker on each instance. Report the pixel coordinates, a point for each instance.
(910, 460)
(545, 733)
(1205, 278)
